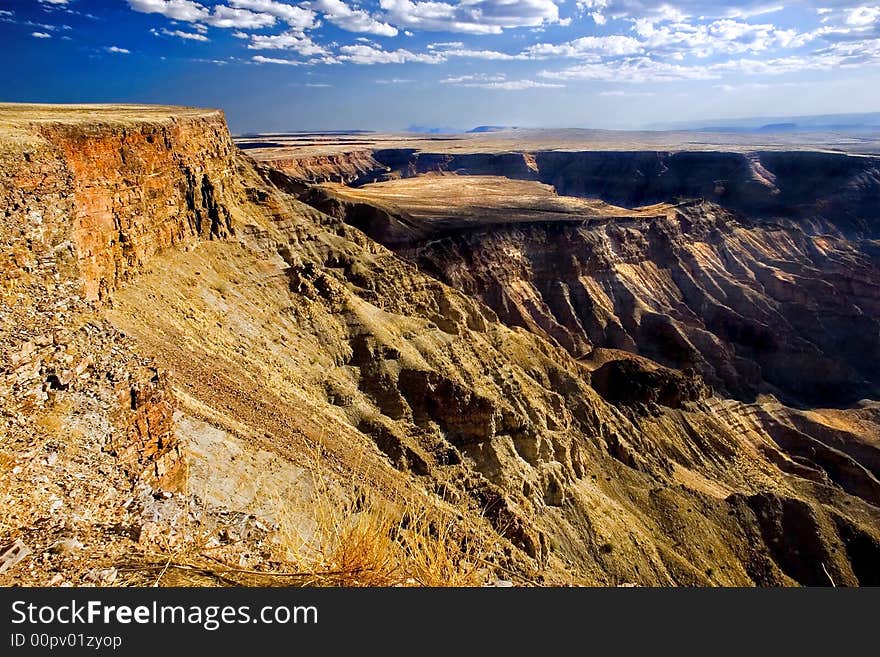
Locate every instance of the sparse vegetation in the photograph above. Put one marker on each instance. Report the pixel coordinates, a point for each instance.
(335, 538)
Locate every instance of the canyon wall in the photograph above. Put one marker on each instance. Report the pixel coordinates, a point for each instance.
(87, 204)
(135, 192)
(307, 339)
(346, 167)
(823, 191)
(754, 308)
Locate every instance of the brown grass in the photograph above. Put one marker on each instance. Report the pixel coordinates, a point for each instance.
(344, 534)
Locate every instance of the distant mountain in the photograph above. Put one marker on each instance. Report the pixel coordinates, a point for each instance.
(489, 128)
(836, 122)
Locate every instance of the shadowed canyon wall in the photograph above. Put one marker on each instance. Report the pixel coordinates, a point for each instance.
(824, 191)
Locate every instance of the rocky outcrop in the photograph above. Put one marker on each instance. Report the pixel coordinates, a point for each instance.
(87, 204)
(134, 192)
(631, 382)
(345, 167)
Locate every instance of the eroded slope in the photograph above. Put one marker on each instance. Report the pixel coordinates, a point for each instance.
(286, 332)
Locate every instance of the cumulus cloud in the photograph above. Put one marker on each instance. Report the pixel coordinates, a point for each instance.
(259, 59)
(352, 20)
(222, 16)
(189, 36)
(364, 54)
(472, 16)
(41, 35)
(861, 16)
(667, 10)
(117, 50)
(621, 41)
(295, 41)
(445, 44)
(457, 49)
(614, 45)
(181, 10)
(297, 17)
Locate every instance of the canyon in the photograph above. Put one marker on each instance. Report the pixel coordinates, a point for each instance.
(645, 367)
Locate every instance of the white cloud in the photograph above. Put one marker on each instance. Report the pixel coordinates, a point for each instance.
(863, 16)
(702, 40)
(352, 20)
(295, 16)
(363, 54)
(638, 41)
(190, 36)
(221, 16)
(497, 81)
(479, 77)
(482, 54)
(291, 40)
(226, 17)
(54, 2)
(470, 16)
(634, 69)
(318, 85)
(117, 50)
(41, 35)
(751, 11)
(613, 45)
(629, 94)
(457, 49)
(259, 59)
(181, 10)
(753, 86)
(3, 12)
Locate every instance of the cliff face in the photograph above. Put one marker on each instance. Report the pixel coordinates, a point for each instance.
(823, 191)
(344, 167)
(303, 336)
(135, 192)
(753, 308)
(829, 189)
(85, 205)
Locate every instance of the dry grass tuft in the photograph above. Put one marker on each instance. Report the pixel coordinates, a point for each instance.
(344, 534)
(353, 536)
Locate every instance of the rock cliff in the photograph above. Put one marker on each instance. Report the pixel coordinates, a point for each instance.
(831, 191)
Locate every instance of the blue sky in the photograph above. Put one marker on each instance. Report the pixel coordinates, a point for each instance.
(277, 65)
